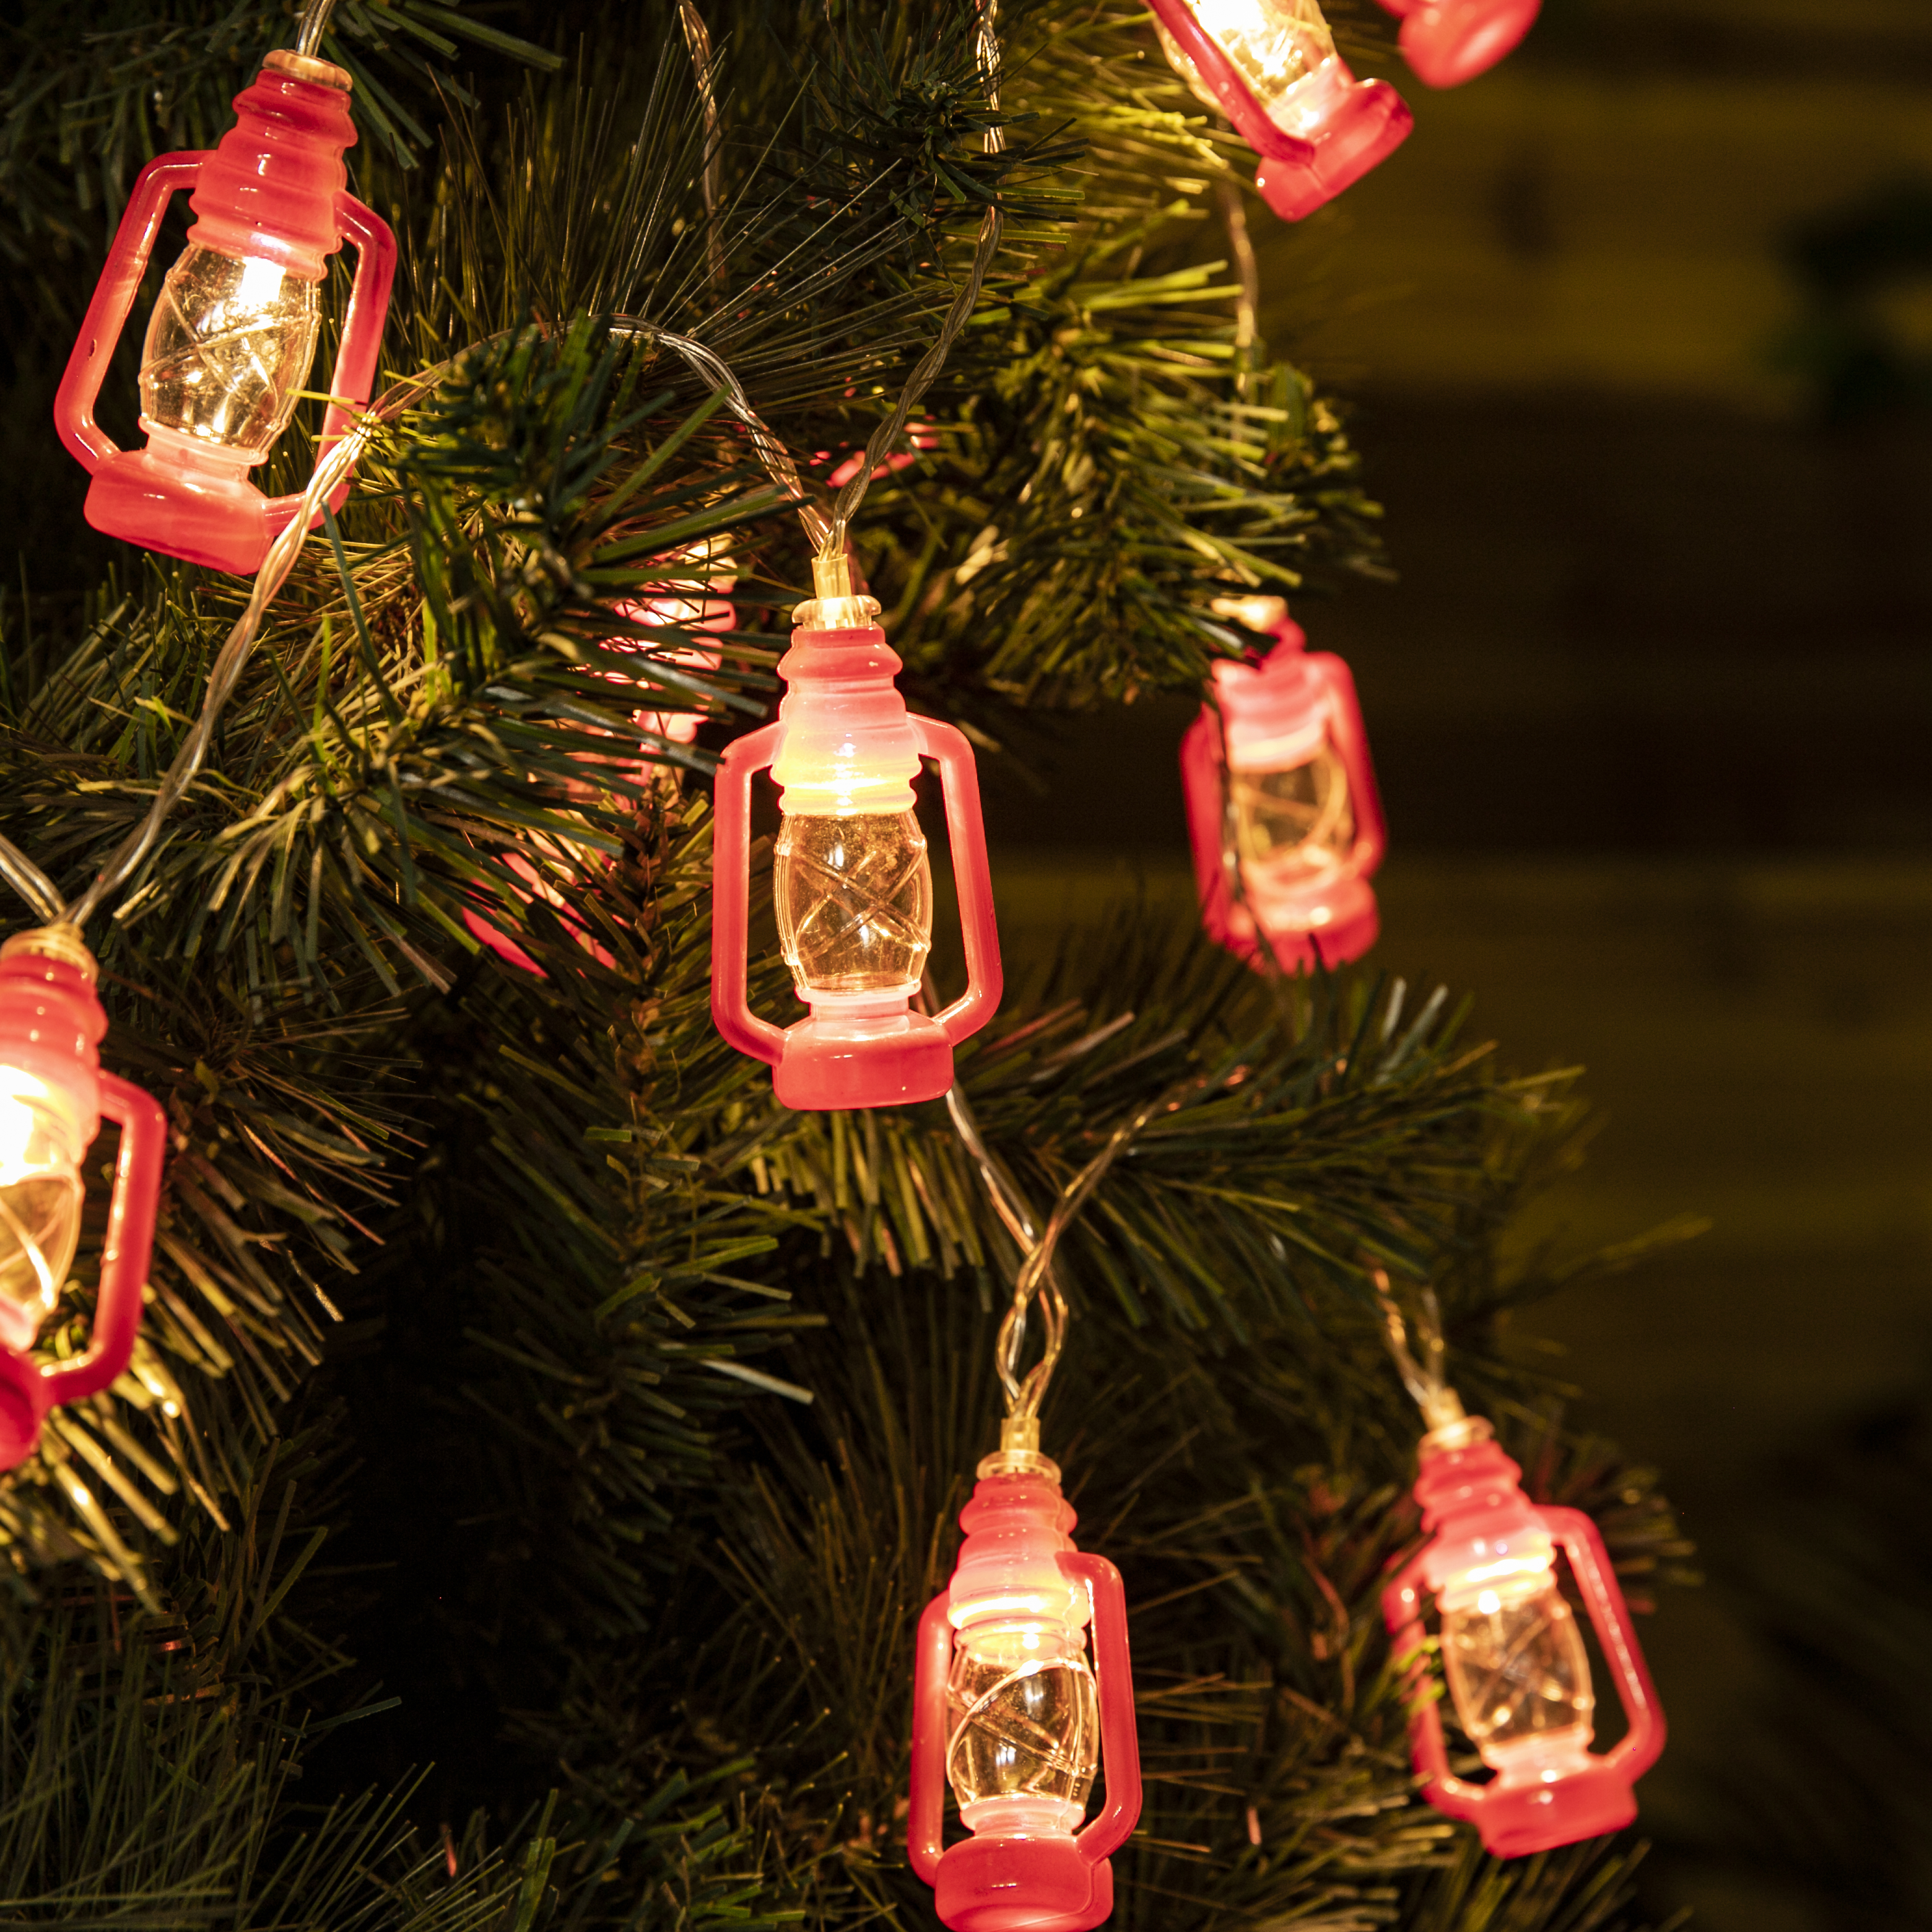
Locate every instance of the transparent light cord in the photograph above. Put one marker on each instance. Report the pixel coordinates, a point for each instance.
(335, 464)
(1037, 1280)
(314, 24)
(1248, 278)
(697, 39)
(1428, 1387)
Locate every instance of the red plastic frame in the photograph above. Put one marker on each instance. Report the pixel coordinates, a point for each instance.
(1447, 42)
(1514, 1822)
(882, 1073)
(1296, 176)
(142, 496)
(1024, 1884)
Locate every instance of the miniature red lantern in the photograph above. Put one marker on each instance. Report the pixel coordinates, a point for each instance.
(1513, 1657)
(853, 887)
(1271, 67)
(1282, 811)
(1006, 1709)
(232, 337)
(53, 1097)
(1447, 42)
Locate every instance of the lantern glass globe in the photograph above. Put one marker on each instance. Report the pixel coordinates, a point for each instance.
(854, 902)
(1272, 44)
(1519, 1676)
(229, 348)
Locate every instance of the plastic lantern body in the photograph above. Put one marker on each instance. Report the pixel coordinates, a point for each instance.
(1007, 1709)
(1447, 42)
(1513, 1657)
(53, 1096)
(851, 881)
(1271, 67)
(233, 332)
(1283, 814)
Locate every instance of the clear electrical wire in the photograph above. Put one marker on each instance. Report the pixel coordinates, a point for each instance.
(314, 25)
(698, 39)
(1427, 1385)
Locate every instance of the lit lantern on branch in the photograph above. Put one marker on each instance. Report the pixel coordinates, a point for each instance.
(851, 878)
(1006, 1709)
(1282, 812)
(53, 1097)
(1271, 67)
(1447, 42)
(234, 330)
(1514, 1656)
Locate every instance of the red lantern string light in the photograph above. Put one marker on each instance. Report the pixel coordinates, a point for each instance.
(1447, 42)
(1518, 1675)
(1006, 1708)
(1271, 67)
(851, 880)
(1283, 814)
(53, 1097)
(232, 337)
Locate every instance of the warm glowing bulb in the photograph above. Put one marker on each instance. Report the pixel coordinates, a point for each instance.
(854, 902)
(1520, 1677)
(228, 350)
(1273, 45)
(1024, 1745)
(1293, 824)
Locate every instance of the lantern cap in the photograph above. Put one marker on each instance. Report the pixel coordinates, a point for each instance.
(1018, 1452)
(62, 941)
(1259, 610)
(306, 66)
(835, 605)
(1448, 1433)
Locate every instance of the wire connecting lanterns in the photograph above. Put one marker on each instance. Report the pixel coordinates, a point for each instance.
(1271, 67)
(53, 1097)
(850, 877)
(234, 331)
(1007, 1708)
(1517, 1672)
(1447, 42)
(1282, 812)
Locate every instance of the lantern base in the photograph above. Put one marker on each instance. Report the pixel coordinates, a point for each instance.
(202, 510)
(1447, 42)
(1368, 123)
(1513, 1821)
(1328, 927)
(1021, 1885)
(862, 1060)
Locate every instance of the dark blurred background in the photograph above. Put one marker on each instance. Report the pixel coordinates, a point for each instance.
(1639, 332)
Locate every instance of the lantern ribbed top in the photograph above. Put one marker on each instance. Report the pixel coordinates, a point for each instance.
(848, 746)
(267, 192)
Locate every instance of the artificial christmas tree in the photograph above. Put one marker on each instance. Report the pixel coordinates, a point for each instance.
(540, 1442)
